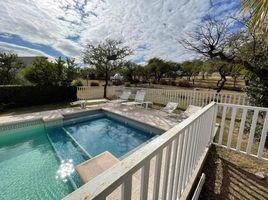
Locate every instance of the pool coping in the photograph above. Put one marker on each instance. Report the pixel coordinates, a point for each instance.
(54, 117)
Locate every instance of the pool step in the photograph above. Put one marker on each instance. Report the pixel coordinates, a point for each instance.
(95, 166)
(77, 143)
(66, 150)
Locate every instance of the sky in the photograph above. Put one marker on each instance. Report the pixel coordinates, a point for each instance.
(151, 28)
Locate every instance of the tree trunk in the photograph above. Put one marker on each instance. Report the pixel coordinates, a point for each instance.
(221, 82)
(235, 79)
(105, 85)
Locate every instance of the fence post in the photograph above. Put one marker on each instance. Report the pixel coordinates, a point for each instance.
(213, 125)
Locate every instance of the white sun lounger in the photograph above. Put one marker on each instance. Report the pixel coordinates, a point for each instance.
(123, 98)
(189, 111)
(83, 103)
(139, 99)
(170, 107)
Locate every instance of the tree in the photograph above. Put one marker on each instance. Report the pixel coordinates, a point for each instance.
(191, 69)
(130, 71)
(106, 57)
(259, 18)
(10, 65)
(242, 47)
(157, 68)
(46, 73)
(173, 69)
(71, 71)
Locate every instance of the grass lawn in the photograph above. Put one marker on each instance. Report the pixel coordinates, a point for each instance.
(30, 109)
(230, 175)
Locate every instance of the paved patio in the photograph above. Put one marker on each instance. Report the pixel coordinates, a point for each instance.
(153, 117)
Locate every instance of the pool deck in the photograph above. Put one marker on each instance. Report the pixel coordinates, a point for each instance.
(151, 117)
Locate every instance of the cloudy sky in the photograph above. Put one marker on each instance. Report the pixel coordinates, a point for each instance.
(62, 27)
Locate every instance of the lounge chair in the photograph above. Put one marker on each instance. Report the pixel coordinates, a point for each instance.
(188, 112)
(170, 107)
(83, 103)
(123, 97)
(139, 99)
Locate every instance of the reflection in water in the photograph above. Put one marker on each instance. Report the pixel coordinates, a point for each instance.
(66, 168)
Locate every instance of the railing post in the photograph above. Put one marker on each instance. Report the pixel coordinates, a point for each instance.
(213, 125)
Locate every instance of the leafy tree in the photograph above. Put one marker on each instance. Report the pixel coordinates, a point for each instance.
(158, 68)
(191, 69)
(71, 71)
(89, 73)
(58, 73)
(173, 69)
(130, 71)
(106, 57)
(10, 66)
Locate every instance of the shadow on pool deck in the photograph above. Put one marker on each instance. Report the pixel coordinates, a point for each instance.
(228, 178)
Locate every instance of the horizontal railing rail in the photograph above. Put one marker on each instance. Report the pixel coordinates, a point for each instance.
(162, 168)
(243, 129)
(192, 97)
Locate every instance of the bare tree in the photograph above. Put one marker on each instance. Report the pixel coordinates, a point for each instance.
(215, 40)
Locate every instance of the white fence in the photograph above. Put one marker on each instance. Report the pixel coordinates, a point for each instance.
(166, 164)
(93, 92)
(243, 129)
(162, 96)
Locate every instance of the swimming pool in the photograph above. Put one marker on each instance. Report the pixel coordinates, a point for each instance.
(30, 160)
(28, 167)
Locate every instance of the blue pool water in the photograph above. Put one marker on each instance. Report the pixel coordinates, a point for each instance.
(30, 159)
(107, 134)
(28, 167)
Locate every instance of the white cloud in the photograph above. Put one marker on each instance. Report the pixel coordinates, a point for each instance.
(21, 50)
(152, 24)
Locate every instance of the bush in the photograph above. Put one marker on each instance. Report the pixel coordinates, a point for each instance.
(184, 83)
(77, 83)
(163, 82)
(94, 84)
(19, 96)
(173, 83)
(154, 82)
(117, 82)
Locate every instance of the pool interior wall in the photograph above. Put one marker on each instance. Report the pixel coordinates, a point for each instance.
(42, 150)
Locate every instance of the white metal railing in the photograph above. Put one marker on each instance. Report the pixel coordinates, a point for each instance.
(166, 164)
(193, 97)
(243, 129)
(163, 96)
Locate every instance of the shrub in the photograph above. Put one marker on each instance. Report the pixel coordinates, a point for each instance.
(163, 82)
(77, 83)
(117, 82)
(173, 83)
(94, 84)
(19, 96)
(154, 82)
(184, 83)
